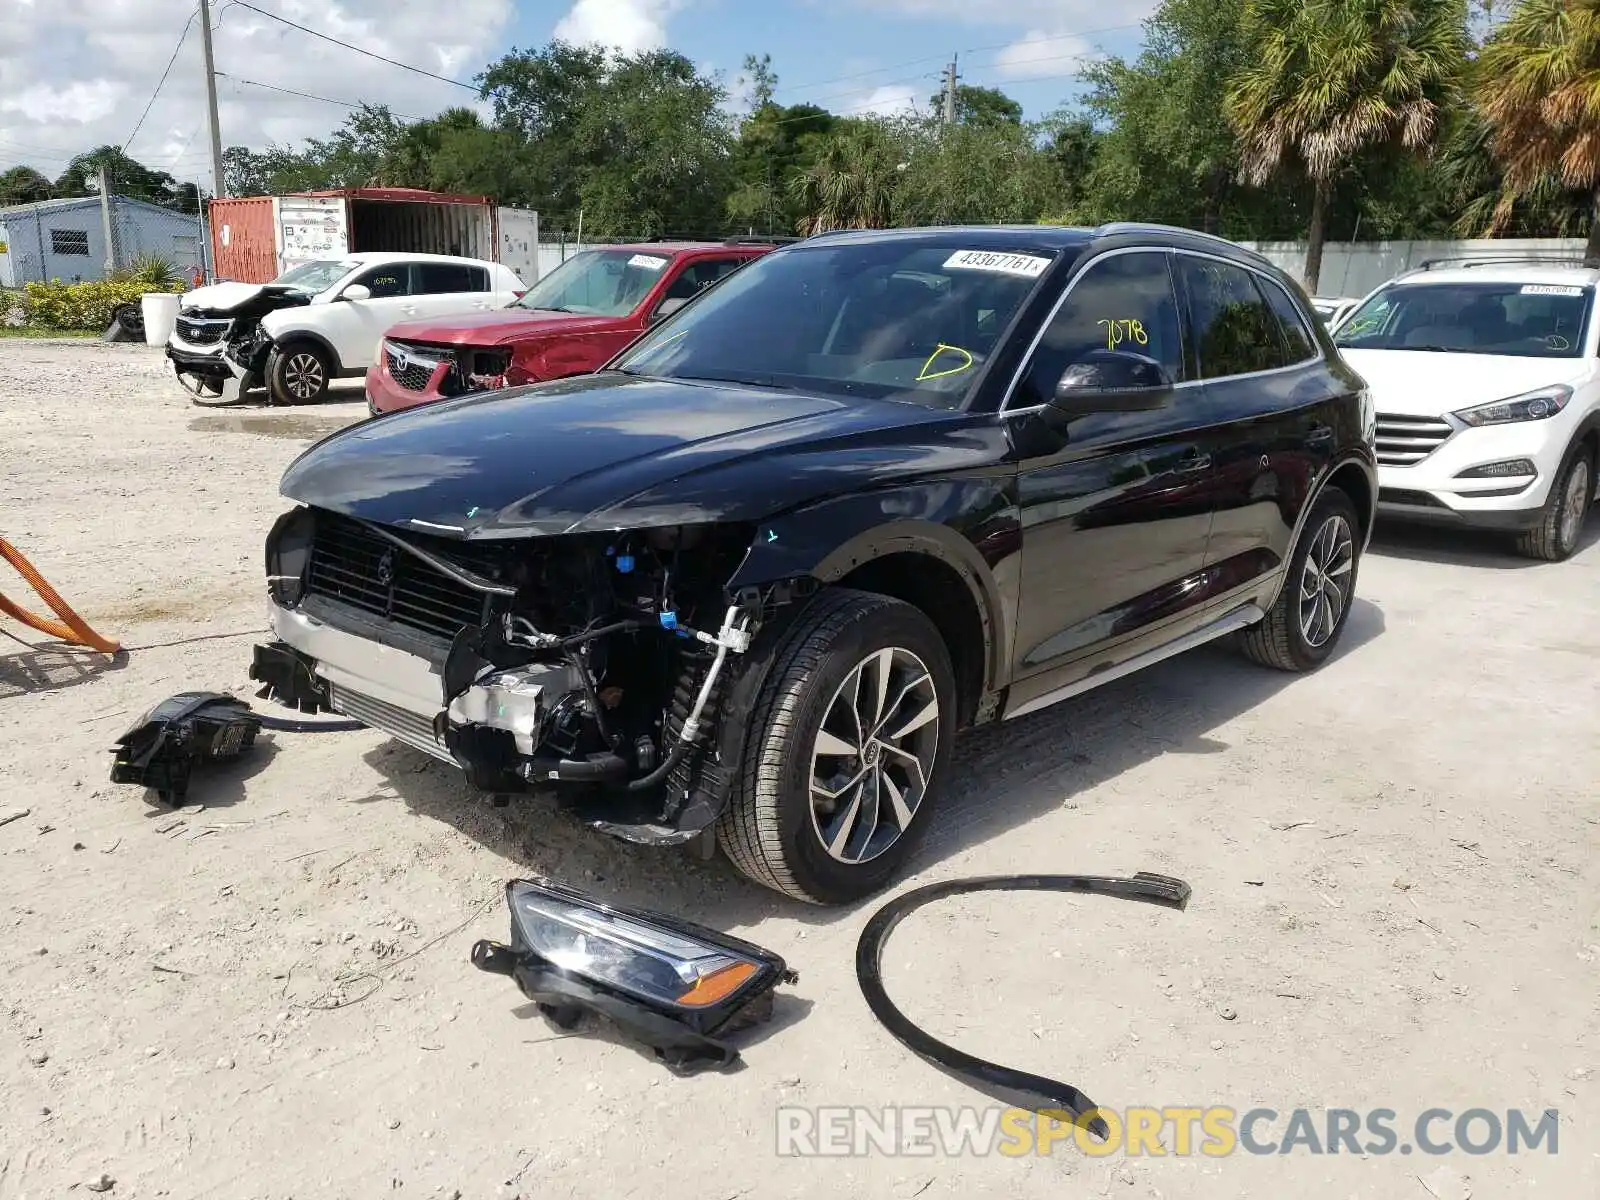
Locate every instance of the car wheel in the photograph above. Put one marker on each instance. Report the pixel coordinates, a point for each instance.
(849, 744)
(1305, 622)
(1555, 537)
(297, 374)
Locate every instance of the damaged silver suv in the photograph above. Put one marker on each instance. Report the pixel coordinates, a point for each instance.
(750, 579)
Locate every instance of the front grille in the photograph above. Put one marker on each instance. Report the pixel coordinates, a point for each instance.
(388, 718)
(1405, 441)
(203, 331)
(351, 564)
(409, 369)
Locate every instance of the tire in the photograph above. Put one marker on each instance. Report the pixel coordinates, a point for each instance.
(298, 373)
(770, 829)
(1304, 625)
(1555, 537)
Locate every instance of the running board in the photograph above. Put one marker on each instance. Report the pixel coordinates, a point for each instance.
(1221, 627)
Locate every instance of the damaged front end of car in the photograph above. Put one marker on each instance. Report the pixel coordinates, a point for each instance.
(610, 667)
(221, 351)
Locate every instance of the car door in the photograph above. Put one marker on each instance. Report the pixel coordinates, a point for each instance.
(354, 327)
(1275, 404)
(445, 289)
(692, 279)
(1115, 521)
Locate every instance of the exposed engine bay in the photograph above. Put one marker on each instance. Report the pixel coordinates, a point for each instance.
(467, 369)
(212, 344)
(599, 663)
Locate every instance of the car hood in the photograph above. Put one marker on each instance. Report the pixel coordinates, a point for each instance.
(612, 451)
(499, 327)
(223, 297)
(1422, 383)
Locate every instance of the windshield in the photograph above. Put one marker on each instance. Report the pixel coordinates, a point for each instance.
(606, 283)
(899, 320)
(314, 277)
(1532, 320)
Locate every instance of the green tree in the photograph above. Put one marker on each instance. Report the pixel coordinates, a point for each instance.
(1324, 81)
(127, 176)
(853, 180)
(980, 106)
(23, 185)
(775, 144)
(975, 174)
(1537, 86)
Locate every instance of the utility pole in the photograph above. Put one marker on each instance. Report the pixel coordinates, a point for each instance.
(106, 228)
(950, 78)
(211, 99)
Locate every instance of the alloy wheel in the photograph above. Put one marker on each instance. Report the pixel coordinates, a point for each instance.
(1573, 503)
(872, 758)
(1326, 580)
(302, 376)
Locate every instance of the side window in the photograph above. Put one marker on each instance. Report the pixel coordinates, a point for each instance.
(1296, 337)
(698, 276)
(436, 278)
(1235, 332)
(1122, 302)
(391, 279)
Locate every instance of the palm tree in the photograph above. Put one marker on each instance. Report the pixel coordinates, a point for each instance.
(852, 182)
(1330, 78)
(1538, 87)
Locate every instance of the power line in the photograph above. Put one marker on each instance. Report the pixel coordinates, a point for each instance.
(160, 83)
(358, 49)
(272, 87)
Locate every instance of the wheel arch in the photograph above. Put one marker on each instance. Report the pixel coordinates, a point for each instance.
(1356, 477)
(282, 341)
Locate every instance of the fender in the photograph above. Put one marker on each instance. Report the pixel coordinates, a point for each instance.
(969, 524)
(297, 334)
(1333, 469)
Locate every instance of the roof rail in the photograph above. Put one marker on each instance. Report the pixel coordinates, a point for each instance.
(775, 240)
(1116, 227)
(1467, 260)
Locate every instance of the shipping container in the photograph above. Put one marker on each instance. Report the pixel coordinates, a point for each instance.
(256, 238)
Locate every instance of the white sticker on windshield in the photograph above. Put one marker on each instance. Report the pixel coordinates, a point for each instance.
(1029, 266)
(647, 262)
(1550, 289)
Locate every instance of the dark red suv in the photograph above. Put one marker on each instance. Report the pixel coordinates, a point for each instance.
(568, 323)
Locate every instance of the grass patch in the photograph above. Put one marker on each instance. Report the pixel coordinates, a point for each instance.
(34, 333)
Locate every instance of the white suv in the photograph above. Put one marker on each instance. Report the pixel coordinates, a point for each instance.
(1487, 385)
(320, 321)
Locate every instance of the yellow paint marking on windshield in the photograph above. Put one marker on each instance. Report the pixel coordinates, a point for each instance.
(1125, 329)
(923, 376)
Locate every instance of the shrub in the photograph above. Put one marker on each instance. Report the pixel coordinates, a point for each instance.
(57, 305)
(149, 269)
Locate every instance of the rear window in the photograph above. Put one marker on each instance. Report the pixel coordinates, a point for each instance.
(1529, 320)
(451, 277)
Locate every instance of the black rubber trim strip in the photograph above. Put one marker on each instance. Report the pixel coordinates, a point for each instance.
(285, 725)
(461, 575)
(1035, 1092)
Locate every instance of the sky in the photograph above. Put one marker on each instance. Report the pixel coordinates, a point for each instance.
(76, 74)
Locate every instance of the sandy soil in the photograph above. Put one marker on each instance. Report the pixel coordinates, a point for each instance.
(267, 995)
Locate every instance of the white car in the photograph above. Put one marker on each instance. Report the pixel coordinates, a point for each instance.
(1333, 309)
(1487, 385)
(320, 321)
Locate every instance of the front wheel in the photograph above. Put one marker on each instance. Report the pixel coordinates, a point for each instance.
(1555, 537)
(297, 373)
(1304, 623)
(849, 744)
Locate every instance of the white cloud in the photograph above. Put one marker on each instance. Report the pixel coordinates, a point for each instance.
(78, 72)
(890, 101)
(629, 25)
(1040, 55)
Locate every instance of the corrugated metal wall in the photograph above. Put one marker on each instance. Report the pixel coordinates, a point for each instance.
(244, 239)
(464, 229)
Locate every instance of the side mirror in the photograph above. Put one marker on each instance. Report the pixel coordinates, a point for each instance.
(356, 291)
(1110, 381)
(668, 306)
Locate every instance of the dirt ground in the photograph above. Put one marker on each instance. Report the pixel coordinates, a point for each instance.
(1394, 862)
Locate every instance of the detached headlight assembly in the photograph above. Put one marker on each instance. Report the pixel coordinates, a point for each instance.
(668, 983)
(1531, 406)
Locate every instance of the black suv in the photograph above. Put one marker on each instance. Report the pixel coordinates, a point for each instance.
(750, 579)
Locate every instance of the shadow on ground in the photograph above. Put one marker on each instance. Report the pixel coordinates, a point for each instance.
(1465, 547)
(1004, 776)
(52, 668)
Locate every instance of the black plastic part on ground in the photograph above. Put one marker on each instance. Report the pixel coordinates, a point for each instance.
(1048, 1097)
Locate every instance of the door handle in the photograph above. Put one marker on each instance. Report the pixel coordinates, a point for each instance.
(1319, 434)
(1193, 461)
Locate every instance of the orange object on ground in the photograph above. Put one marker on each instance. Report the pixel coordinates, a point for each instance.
(71, 628)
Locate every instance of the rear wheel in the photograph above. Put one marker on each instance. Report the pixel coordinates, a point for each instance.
(298, 373)
(849, 744)
(1305, 621)
(1555, 537)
